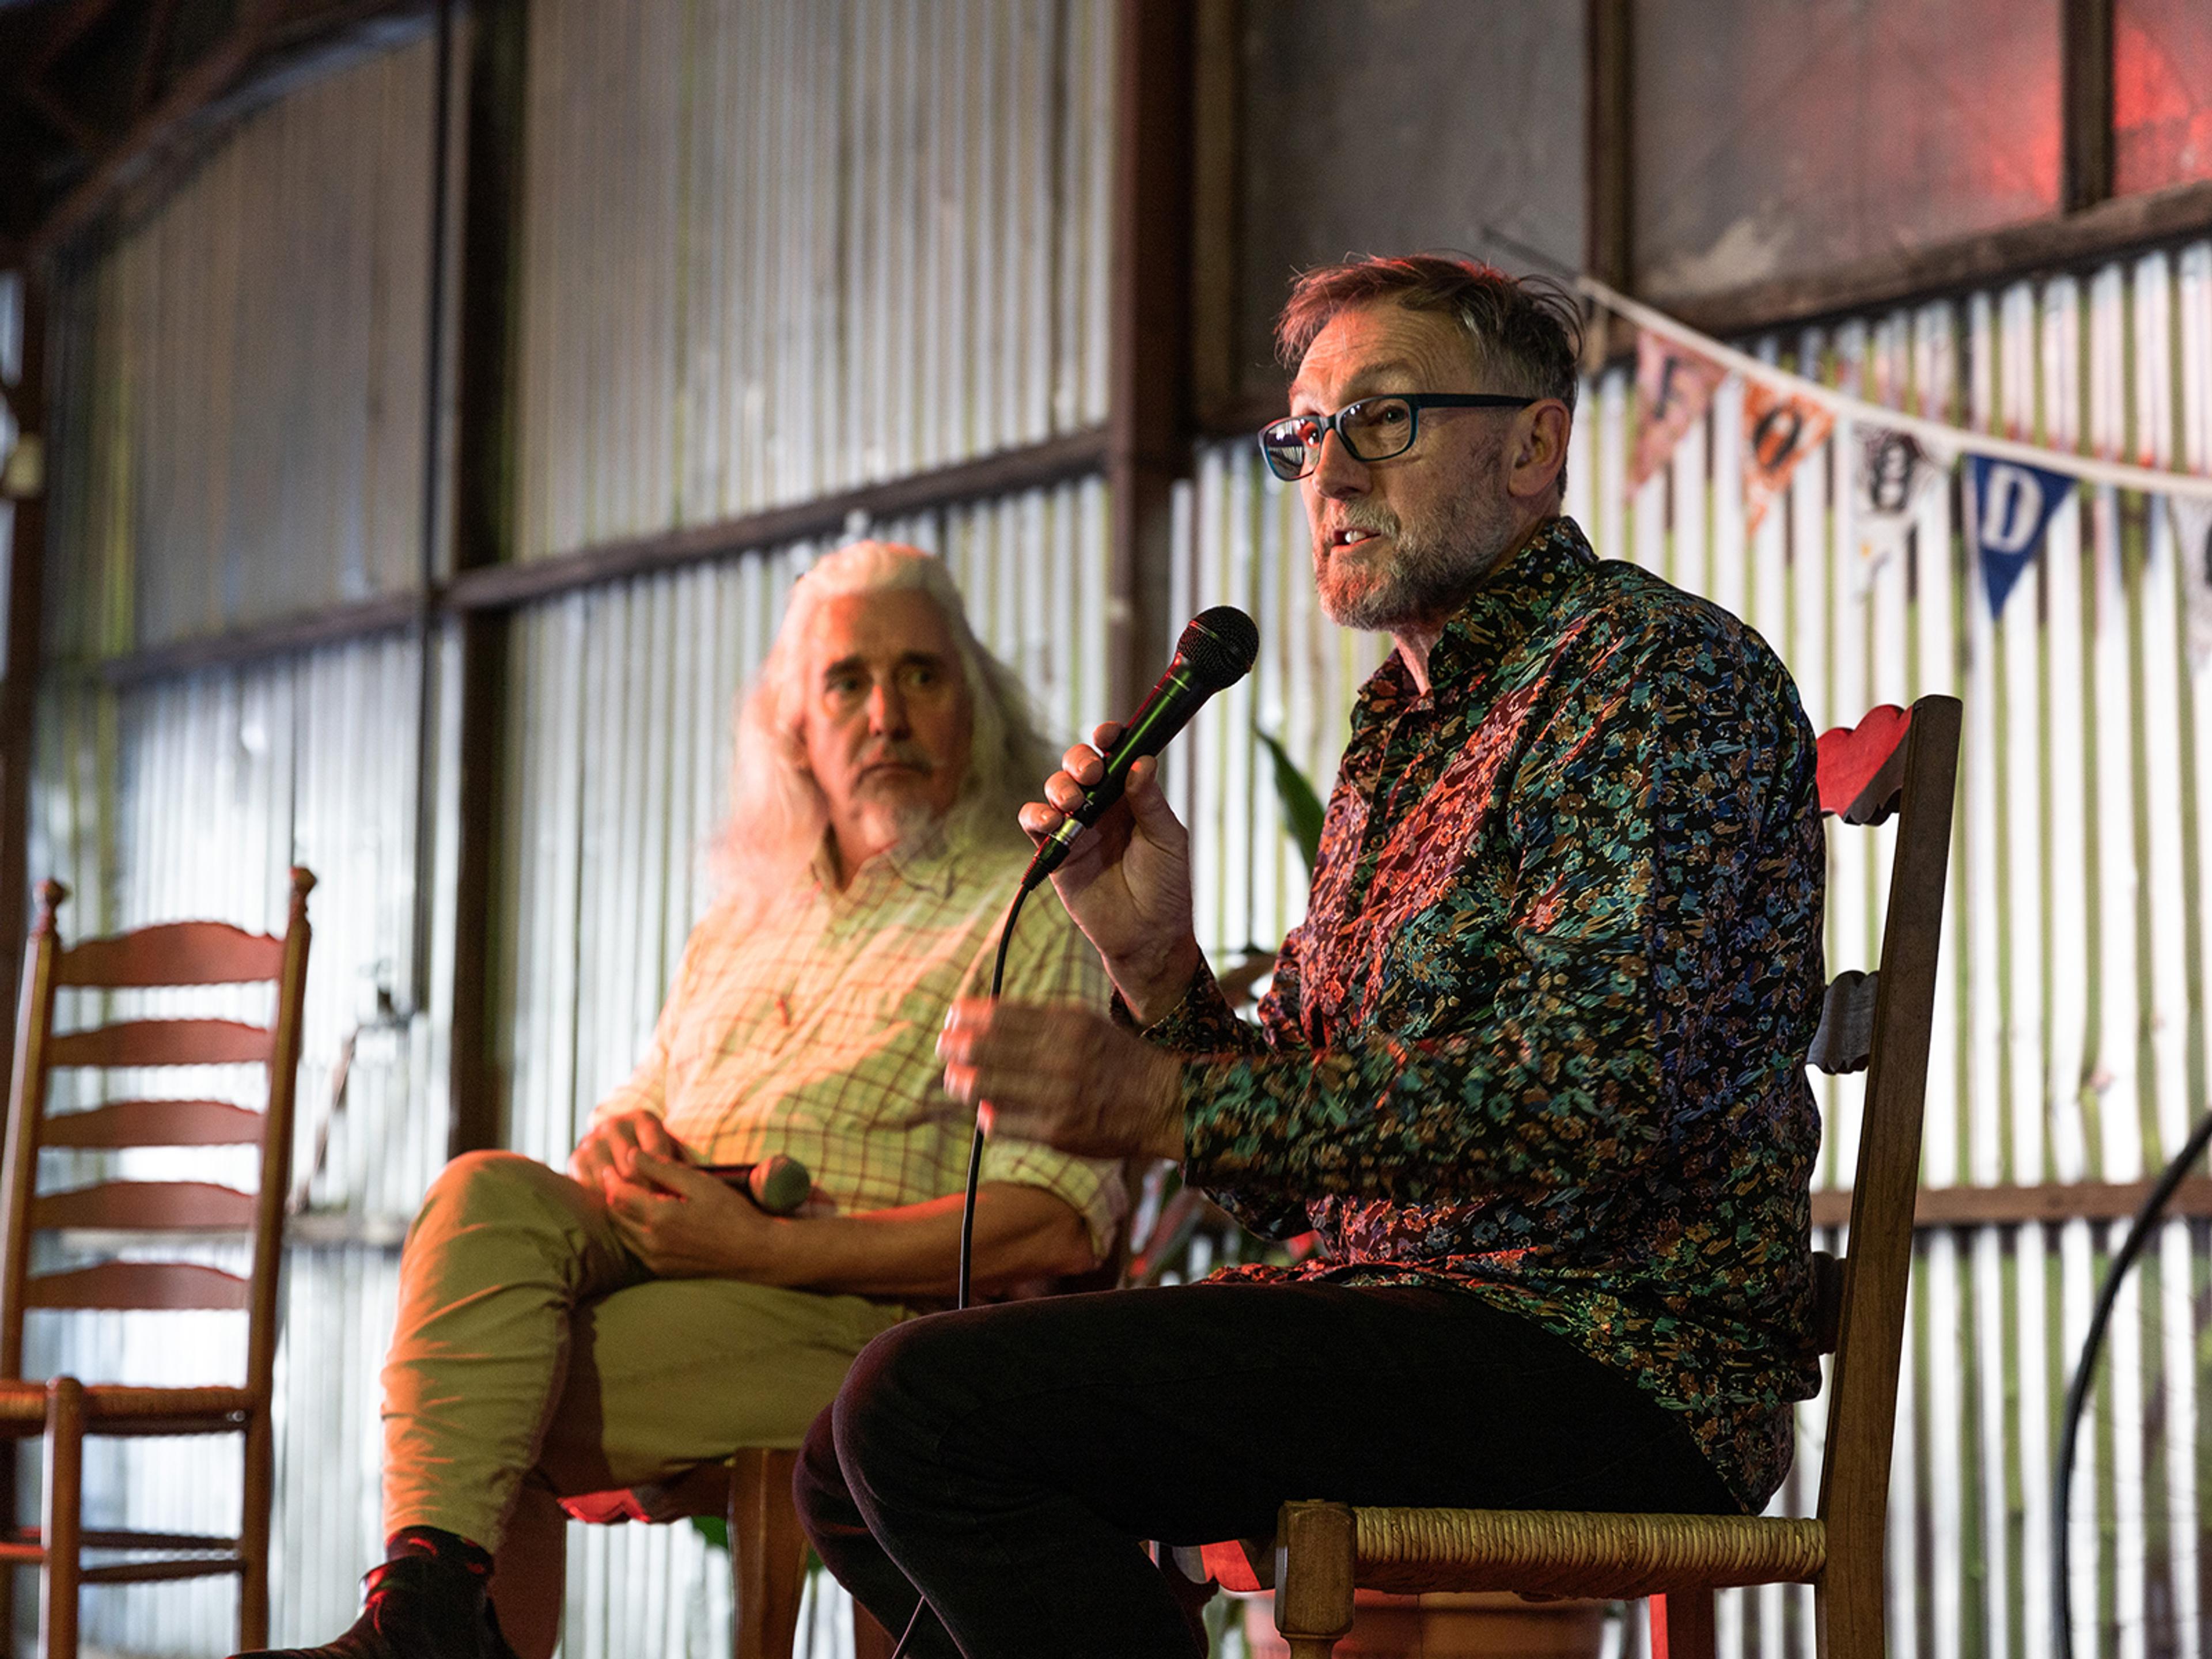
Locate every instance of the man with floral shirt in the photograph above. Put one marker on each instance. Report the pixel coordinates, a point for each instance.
(1531, 1067)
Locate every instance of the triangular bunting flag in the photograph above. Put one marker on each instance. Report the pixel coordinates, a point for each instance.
(1896, 473)
(1673, 385)
(2191, 517)
(2008, 507)
(1780, 429)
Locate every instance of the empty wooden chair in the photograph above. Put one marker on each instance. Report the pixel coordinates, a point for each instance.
(1892, 761)
(64, 1411)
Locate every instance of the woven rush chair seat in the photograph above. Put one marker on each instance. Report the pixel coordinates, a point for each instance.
(1618, 1558)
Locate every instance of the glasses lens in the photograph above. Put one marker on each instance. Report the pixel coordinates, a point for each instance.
(1289, 446)
(1376, 429)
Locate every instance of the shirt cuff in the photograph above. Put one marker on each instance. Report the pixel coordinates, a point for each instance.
(1201, 1023)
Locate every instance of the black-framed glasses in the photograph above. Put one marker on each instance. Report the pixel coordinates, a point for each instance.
(1372, 429)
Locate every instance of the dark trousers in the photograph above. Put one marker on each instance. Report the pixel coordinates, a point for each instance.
(1008, 1461)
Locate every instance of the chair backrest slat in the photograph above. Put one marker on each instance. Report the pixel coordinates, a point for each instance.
(125, 1287)
(1918, 778)
(175, 953)
(1844, 1042)
(1862, 767)
(146, 1206)
(171, 955)
(163, 1042)
(155, 1124)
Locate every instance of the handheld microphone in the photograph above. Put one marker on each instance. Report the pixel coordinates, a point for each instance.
(779, 1183)
(1215, 651)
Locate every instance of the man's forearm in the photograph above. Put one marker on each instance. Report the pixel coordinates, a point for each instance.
(1021, 1233)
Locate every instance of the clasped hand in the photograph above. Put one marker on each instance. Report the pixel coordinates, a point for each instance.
(1063, 1076)
(680, 1222)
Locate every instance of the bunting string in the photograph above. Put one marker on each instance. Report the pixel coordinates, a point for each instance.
(1938, 437)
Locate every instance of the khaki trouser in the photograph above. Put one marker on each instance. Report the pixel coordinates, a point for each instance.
(535, 1357)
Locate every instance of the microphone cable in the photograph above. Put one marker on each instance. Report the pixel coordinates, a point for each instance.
(965, 1283)
(1216, 649)
(2077, 1393)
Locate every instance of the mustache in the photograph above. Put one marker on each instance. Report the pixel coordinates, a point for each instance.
(1378, 520)
(911, 754)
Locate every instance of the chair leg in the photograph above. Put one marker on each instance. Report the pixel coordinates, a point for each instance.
(253, 1532)
(8, 1531)
(64, 1485)
(768, 1553)
(870, 1640)
(1848, 1613)
(1312, 1577)
(1682, 1626)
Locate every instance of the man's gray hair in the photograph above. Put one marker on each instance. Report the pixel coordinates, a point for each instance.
(778, 814)
(1526, 331)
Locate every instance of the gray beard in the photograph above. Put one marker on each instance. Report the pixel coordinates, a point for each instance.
(1438, 564)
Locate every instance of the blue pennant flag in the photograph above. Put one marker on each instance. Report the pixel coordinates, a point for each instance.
(2011, 505)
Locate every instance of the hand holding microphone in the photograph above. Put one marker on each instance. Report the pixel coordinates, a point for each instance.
(1215, 651)
(1126, 883)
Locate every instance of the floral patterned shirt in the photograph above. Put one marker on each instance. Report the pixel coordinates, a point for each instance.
(1541, 1036)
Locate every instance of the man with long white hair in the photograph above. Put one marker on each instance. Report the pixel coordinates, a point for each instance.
(618, 1325)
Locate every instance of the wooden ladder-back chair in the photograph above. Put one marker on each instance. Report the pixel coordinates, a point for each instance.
(64, 1410)
(1892, 761)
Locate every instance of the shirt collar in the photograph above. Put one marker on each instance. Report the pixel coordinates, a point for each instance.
(1519, 596)
(928, 862)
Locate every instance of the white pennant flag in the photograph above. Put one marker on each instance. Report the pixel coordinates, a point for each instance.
(2192, 519)
(1894, 474)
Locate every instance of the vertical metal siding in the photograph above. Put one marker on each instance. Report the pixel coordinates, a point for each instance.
(2072, 1040)
(244, 385)
(774, 250)
(621, 703)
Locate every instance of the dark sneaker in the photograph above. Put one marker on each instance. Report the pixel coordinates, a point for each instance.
(415, 1607)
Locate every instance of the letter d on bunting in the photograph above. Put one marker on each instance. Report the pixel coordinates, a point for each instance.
(2008, 507)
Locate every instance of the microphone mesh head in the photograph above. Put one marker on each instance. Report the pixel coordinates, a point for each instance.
(1220, 645)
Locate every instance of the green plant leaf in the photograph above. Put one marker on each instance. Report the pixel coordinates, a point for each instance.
(714, 1529)
(1301, 806)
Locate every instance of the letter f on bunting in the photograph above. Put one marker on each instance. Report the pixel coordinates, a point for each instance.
(1673, 386)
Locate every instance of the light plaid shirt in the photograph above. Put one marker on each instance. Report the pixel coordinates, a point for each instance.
(813, 1032)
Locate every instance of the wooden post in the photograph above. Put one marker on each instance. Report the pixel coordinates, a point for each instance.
(1609, 230)
(2085, 76)
(18, 686)
(1148, 419)
(482, 530)
(1217, 201)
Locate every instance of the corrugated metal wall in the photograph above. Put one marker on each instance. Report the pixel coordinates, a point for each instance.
(243, 435)
(2072, 1040)
(622, 699)
(823, 245)
(240, 436)
(772, 251)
